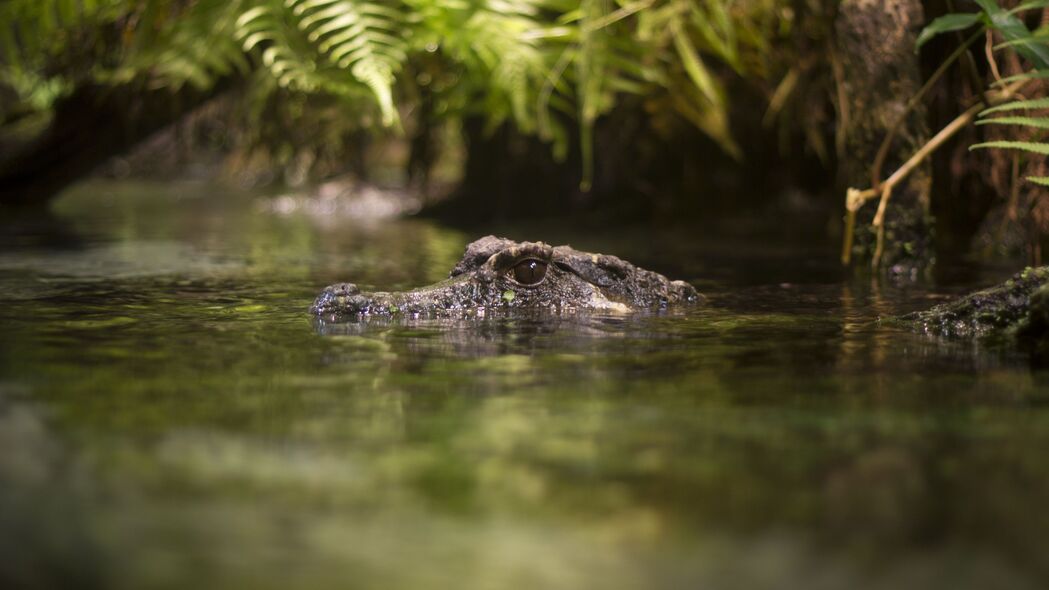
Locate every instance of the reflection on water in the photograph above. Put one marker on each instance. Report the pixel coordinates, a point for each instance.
(171, 417)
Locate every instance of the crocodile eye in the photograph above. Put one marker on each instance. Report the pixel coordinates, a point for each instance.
(529, 272)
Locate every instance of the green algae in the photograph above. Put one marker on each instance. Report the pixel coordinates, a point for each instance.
(996, 312)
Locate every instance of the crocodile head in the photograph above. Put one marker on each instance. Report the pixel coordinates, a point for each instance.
(497, 273)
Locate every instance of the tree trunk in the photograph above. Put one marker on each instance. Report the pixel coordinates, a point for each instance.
(878, 74)
(89, 126)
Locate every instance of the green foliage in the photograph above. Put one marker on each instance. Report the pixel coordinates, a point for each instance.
(36, 33)
(1016, 32)
(1036, 122)
(1031, 45)
(1037, 103)
(946, 24)
(332, 46)
(537, 63)
(196, 47)
(496, 52)
(1027, 146)
(34, 29)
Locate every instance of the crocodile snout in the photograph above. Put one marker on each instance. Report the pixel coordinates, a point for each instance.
(499, 273)
(340, 298)
(682, 292)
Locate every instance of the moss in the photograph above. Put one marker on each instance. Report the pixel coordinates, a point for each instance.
(1019, 305)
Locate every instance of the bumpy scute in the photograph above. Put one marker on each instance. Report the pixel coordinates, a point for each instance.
(484, 279)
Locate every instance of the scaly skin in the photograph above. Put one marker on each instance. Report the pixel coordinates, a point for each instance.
(496, 273)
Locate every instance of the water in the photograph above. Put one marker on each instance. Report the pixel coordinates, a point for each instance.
(170, 417)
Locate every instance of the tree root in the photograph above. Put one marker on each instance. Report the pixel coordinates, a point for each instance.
(855, 198)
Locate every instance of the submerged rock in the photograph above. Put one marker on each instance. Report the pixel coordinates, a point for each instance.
(1018, 308)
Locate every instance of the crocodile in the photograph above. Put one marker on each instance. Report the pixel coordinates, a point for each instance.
(498, 273)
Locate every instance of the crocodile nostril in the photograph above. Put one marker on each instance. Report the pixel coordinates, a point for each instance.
(343, 298)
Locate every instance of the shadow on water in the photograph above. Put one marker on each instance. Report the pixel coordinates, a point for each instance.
(170, 416)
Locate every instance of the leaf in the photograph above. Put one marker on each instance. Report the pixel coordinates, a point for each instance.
(1013, 29)
(1042, 180)
(717, 32)
(1041, 39)
(334, 46)
(1027, 146)
(945, 24)
(1030, 5)
(1016, 105)
(1037, 122)
(1031, 75)
(694, 64)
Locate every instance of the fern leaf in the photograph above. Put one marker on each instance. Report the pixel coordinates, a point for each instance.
(1031, 75)
(197, 48)
(1037, 122)
(1016, 105)
(264, 28)
(359, 37)
(1027, 146)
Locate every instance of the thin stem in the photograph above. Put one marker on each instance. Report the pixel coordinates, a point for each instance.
(843, 106)
(854, 198)
(846, 244)
(883, 149)
(988, 51)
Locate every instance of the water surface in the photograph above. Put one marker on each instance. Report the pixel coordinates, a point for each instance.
(170, 417)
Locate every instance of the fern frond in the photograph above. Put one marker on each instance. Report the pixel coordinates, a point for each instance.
(495, 44)
(362, 37)
(33, 30)
(34, 35)
(1031, 75)
(263, 28)
(1027, 146)
(1016, 105)
(198, 48)
(1036, 122)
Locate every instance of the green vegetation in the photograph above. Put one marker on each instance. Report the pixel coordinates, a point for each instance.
(759, 81)
(1008, 38)
(536, 63)
(1031, 45)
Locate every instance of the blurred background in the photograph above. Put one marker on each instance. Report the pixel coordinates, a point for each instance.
(659, 111)
(180, 178)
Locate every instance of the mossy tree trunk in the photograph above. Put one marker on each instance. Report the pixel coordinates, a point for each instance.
(877, 74)
(91, 125)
